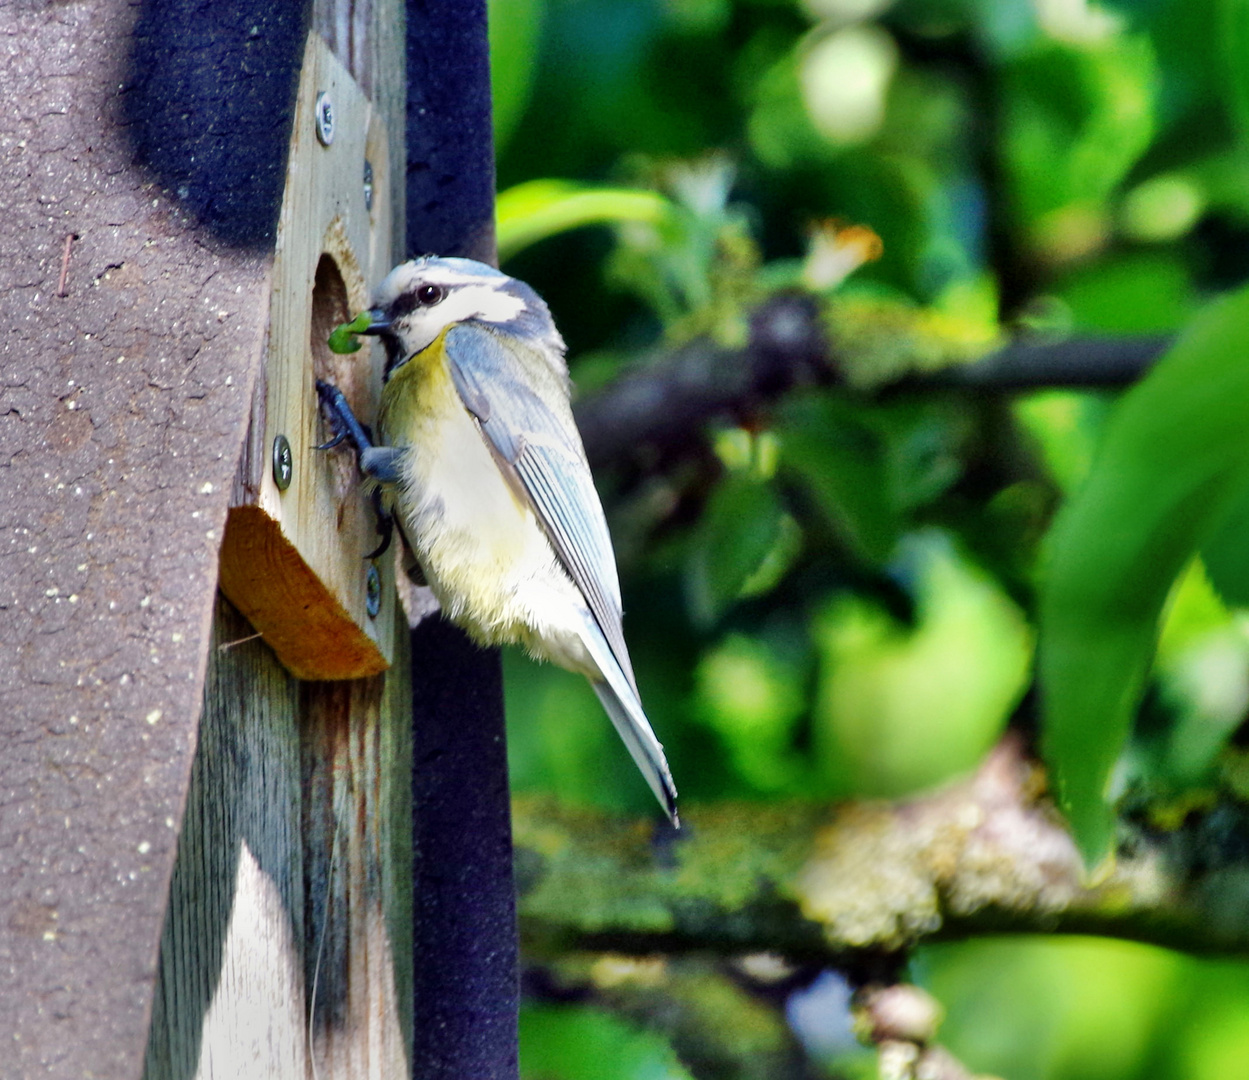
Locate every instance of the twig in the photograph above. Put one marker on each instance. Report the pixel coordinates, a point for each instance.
(1077, 363)
(226, 646)
(69, 243)
(661, 404)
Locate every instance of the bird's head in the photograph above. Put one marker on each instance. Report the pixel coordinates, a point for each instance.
(420, 299)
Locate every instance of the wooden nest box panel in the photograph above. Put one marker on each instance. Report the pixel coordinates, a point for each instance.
(293, 557)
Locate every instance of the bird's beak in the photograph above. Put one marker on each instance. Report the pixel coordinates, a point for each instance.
(378, 323)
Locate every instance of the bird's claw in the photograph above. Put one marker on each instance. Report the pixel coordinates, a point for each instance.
(385, 525)
(345, 426)
(342, 420)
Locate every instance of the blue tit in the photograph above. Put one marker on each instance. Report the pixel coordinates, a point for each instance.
(481, 461)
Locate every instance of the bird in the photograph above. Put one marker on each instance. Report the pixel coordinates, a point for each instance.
(480, 459)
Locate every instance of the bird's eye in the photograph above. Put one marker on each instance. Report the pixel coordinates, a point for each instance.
(429, 295)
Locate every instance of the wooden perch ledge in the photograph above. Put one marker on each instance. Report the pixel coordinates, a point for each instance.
(824, 884)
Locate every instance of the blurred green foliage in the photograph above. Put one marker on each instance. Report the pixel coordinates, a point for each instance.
(578, 1043)
(839, 595)
(1088, 1009)
(900, 708)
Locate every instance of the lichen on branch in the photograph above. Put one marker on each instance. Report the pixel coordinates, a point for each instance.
(826, 883)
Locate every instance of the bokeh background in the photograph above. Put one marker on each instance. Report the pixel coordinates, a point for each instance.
(835, 595)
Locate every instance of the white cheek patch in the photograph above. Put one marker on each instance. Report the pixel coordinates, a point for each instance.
(418, 329)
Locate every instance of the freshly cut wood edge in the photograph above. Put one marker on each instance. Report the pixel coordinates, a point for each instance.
(264, 576)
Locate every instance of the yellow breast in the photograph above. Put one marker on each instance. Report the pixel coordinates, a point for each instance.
(476, 538)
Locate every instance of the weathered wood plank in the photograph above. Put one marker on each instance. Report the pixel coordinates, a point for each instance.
(309, 972)
(359, 983)
(234, 925)
(284, 941)
(367, 36)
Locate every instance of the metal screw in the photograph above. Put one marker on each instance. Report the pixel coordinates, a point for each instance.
(325, 118)
(368, 184)
(283, 462)
(373, 592)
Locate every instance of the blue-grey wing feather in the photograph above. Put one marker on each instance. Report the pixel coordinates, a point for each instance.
(532, 436)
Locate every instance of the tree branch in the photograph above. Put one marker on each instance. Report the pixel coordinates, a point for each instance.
(660, 404)
(831, 884)
(1077, 363)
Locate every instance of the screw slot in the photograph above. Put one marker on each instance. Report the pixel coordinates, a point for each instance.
(368, 185)
(325, 119)
(283, 462)
(373, 592)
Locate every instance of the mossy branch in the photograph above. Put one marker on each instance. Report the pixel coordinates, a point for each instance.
(832, 884)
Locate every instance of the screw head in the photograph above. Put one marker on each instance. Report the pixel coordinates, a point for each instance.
(373, 592)
(325, 119)
(283, 462)
(368, 184)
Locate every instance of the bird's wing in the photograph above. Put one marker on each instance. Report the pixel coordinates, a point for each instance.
(521, 404)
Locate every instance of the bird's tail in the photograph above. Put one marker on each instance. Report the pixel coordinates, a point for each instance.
(620, 698)
(626, 714)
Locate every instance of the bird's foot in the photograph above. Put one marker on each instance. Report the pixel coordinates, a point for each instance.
(342, 420)
(376, 462)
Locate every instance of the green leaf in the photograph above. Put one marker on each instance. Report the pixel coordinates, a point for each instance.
(578, 1043)
(343, 339)
(900, 708)
(1139, 293)
(740, 527)
(751, 693)
(1226, 553)
(1202, 669)
(843, 462)
(867, 467)
(1174, 457)
(538, 209)
(779, 128)
(1233, 35)
(1079, 1007)
(1066, 425)
(514, 27)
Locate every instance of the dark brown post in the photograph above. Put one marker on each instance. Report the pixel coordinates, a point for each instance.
(467, 992)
